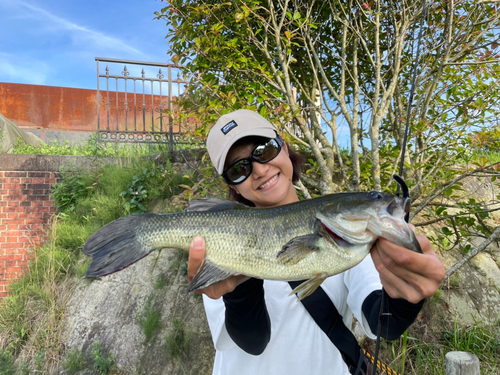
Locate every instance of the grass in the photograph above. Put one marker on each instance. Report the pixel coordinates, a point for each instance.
(149, 321)
(104, 364)
(31, 315)
(417, 356)
(74, 361)
(177, 340)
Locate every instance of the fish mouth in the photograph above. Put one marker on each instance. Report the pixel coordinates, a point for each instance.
(348, 231)
(341, 242)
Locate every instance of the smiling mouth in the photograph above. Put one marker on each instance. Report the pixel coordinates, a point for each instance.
(263, 186)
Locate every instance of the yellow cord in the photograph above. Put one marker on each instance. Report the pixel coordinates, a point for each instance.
(380, 365)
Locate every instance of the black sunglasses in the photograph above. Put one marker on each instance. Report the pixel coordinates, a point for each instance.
(241, 169)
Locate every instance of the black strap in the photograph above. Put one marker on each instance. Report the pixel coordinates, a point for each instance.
(327, 317)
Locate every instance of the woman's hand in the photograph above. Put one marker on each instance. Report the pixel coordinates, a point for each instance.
(405, 273)
(196, 257)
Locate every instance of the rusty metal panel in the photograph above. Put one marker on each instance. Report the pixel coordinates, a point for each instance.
(49, 107)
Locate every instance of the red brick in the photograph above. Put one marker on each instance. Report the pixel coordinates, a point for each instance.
(15, 186)
(12, 269)
(13, 258)
(37, 227)
(40, 174)
(11, 209)
(8, 245)
(16, 174)
(11, 276)
(16, 251)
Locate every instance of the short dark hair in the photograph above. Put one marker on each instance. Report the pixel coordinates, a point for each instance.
(297, 161)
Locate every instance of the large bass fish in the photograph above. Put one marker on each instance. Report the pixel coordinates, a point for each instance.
(311, 239)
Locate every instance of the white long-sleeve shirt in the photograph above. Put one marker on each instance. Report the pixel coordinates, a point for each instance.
(297, 346)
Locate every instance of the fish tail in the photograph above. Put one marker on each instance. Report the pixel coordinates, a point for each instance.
(116, 246)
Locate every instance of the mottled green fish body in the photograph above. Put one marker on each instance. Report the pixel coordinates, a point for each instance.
(311, 239)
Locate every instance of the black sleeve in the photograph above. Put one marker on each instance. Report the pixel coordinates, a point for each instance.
(247, 320)
(401, 314)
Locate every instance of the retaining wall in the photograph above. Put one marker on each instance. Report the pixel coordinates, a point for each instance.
(26, 208)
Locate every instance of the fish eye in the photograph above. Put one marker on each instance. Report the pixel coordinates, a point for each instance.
(375, 195)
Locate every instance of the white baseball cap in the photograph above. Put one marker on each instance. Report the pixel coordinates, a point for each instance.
(230, 128)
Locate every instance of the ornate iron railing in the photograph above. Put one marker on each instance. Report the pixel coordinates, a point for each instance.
(137, 107)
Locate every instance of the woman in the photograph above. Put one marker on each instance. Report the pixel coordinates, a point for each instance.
(257, 328)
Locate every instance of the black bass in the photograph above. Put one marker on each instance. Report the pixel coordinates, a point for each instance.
(311, 239)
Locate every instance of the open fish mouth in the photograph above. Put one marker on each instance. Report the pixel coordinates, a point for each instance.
(347, 232)
(341, 242)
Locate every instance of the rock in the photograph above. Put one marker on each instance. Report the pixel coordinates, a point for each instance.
(108, 310)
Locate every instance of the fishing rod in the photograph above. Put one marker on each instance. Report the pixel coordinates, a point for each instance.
(401, 183)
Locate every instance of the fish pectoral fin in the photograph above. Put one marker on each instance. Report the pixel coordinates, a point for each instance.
(308, 287)
(208, 274)
(298, 248)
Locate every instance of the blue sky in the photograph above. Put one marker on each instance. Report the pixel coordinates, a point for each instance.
(55, 42)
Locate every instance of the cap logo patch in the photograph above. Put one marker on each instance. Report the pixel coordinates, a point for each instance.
(229, 126)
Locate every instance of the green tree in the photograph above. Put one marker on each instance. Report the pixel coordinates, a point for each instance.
(312, 66)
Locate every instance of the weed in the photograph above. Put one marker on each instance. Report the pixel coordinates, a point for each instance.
(135, 195)
(35, 368)
(478, 339)
(149, 321)
(177, 340)
(102, 363)
(7, 365)
(420, 357)
(74, 361)
(437, 295)
(73, 187)
(160, 282)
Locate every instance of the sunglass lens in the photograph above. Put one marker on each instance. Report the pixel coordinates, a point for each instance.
(266, 152)
(239, 171)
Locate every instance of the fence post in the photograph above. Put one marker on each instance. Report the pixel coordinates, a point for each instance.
(461, 363)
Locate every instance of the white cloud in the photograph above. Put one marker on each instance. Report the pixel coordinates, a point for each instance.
(80, 34)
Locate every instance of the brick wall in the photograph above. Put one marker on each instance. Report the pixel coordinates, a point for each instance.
(26, 210)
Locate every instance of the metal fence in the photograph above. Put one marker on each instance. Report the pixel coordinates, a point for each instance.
(136, 102)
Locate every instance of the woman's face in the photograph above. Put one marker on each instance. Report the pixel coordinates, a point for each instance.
(269, 184)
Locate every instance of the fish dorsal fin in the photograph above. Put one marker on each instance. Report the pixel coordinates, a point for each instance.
(213, 205)
(298, 248)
